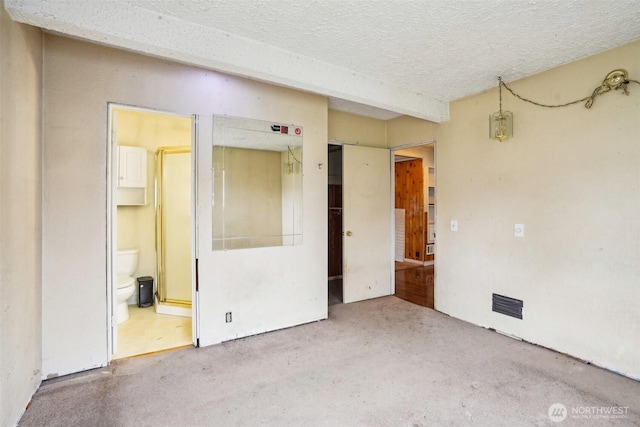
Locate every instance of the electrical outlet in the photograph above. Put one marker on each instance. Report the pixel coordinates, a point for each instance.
(228, 317)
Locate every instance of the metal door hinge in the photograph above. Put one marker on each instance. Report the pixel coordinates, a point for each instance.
(197, 277)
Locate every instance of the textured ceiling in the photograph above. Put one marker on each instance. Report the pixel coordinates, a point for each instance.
(403, 56)
(443, 47)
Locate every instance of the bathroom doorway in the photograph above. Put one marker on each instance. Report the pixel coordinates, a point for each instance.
(151, 213)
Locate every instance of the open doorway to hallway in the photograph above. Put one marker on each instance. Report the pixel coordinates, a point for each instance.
(151, 259)
(415, 223)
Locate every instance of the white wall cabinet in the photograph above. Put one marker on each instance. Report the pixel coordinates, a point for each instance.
(132, 166)
(132, 175)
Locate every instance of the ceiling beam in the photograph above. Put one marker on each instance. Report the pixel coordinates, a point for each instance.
(123, 25)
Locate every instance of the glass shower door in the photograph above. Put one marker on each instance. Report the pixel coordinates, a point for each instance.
(174, 225)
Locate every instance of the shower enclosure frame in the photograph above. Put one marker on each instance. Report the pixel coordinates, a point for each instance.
(161, 227)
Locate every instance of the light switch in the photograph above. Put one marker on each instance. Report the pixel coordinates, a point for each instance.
(454, 225)
(518, 230)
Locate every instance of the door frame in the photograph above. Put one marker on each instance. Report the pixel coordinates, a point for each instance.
(112, 220)
(393, 192)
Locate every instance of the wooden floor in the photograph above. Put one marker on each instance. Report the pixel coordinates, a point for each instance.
(415, 284)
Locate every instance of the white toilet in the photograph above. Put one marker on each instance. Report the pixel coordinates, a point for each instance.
(126, 264)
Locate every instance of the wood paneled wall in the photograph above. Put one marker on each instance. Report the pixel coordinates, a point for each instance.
(409, 195)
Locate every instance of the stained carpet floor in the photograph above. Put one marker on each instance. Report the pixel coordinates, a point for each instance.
(383, 362)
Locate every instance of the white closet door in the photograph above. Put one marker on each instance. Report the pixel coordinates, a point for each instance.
(367, 243)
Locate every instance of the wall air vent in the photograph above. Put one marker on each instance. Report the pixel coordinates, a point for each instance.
(508, 306)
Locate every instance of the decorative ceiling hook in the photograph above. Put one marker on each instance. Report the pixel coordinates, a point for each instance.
(615, 79)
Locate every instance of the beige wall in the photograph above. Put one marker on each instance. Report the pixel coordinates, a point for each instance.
(572, 177)
(369, 132)
(79, 80)
(136, 224)
(20, 216)
(355, 129)
(424, 152)
(405, 130)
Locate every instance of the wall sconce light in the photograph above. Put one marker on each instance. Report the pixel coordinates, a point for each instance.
(501, 122)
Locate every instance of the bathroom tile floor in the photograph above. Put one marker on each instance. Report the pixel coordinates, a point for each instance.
(146, 332)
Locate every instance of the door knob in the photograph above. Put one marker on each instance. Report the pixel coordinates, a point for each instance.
(349, 233)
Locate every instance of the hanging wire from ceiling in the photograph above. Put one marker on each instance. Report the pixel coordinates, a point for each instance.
(615, 80)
